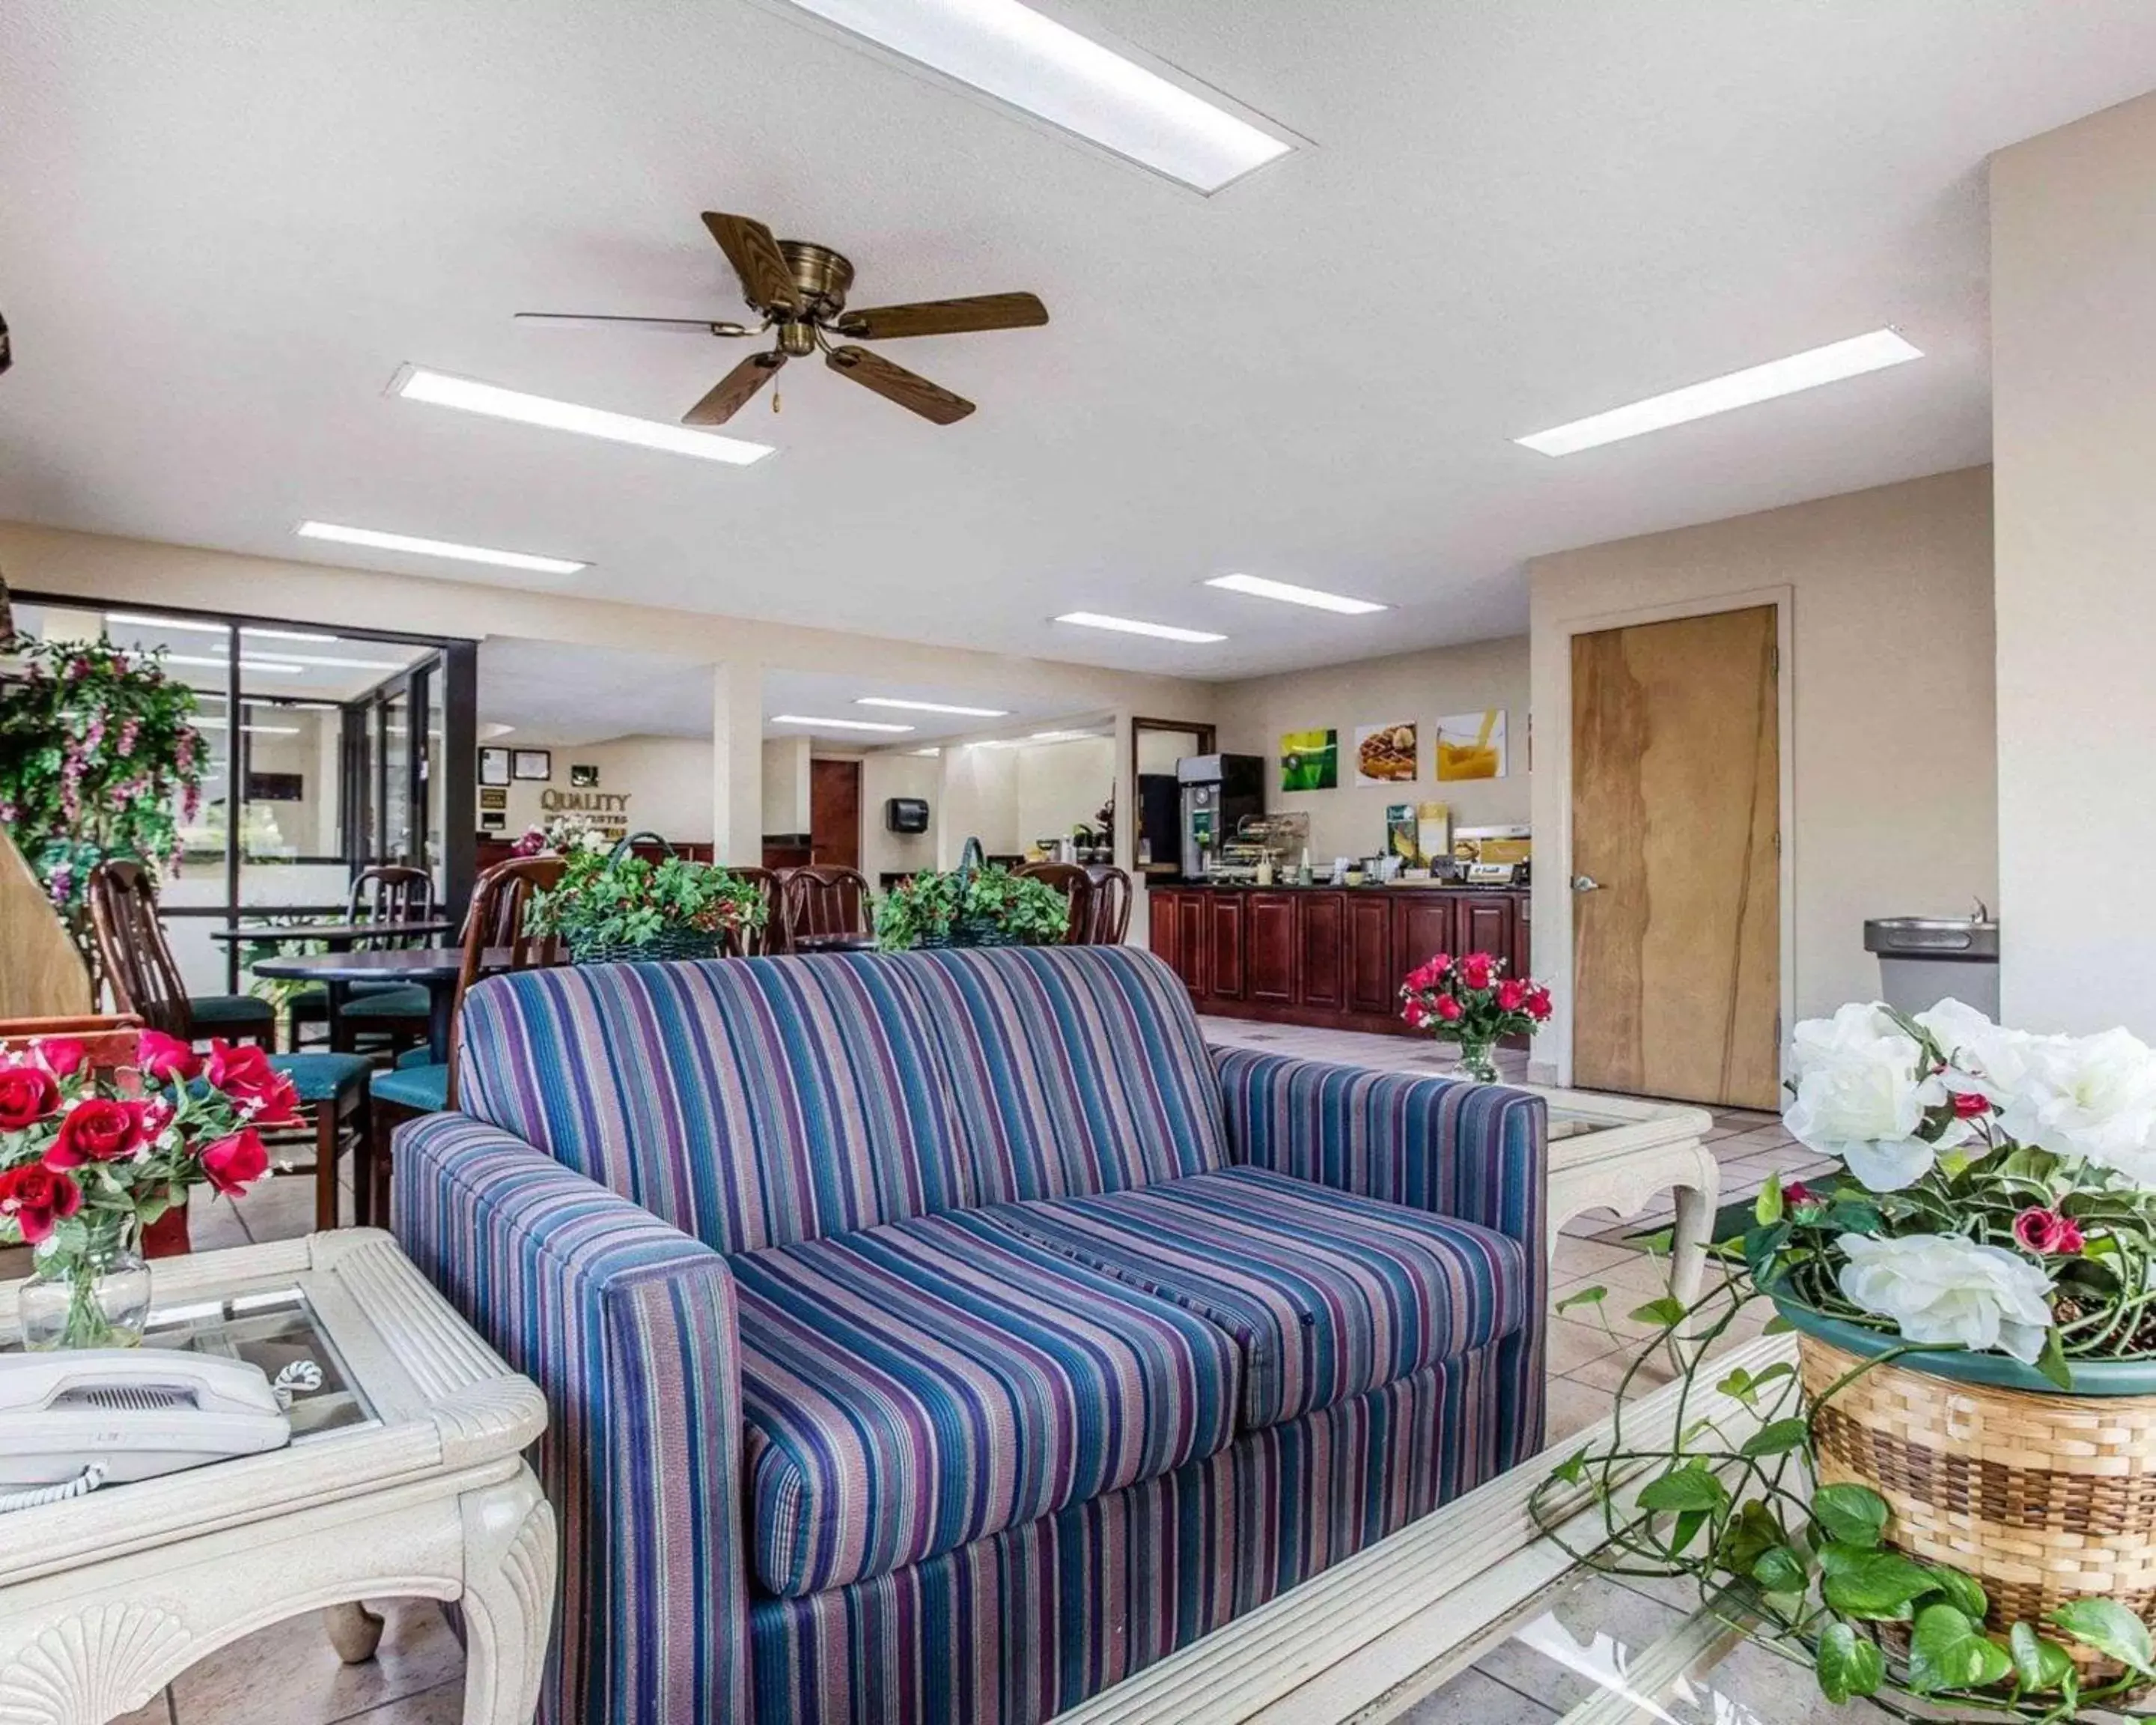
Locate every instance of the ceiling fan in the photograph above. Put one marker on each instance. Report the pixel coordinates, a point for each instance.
(798, 288)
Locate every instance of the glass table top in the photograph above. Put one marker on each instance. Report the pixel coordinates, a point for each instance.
(277, 1329)
(1597, 1647)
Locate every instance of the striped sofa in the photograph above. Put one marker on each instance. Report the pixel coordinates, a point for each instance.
(943, 1337)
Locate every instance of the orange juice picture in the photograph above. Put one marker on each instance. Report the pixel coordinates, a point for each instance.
(1471, 746)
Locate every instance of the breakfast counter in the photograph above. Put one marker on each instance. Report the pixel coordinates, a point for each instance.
(1332, 956)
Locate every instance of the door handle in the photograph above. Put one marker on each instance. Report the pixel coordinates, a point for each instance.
(1585, 883)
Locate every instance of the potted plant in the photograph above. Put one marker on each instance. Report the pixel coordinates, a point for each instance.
(1952, 1496)
(973, 905)
(90, 1156)
(98, 759)
(1470, 1001)
(612, 906)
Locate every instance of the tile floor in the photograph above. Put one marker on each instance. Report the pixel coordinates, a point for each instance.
(287, 1674)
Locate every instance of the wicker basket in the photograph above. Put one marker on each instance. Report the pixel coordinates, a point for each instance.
(670, 943)
(2042, 1497)
(971, 930)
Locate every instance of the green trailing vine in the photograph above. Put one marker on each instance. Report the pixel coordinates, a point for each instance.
(958, 906)
(98, 758)
(608, 903)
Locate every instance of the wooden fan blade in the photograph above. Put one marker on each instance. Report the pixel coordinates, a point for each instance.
(895, 383)
(734, 390)
(607, 321)
(765, 277)
(946, 317)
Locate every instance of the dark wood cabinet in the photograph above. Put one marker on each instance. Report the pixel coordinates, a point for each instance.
(1373, 974)
(1321, 921)
(1192, 939)
(1324, 956)
(1224, 920)
(1485, 924)
(1269, 948)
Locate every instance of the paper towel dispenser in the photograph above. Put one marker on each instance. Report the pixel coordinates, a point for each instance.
(906, 815)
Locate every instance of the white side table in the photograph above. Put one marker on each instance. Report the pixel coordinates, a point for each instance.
(404, 1477)
(1617, 1152)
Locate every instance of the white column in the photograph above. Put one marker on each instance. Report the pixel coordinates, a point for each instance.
(2073, 235)
(737, 761)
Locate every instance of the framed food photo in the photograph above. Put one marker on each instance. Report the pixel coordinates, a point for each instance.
(1310, 760)
(494, 766)
(1471, 746)
(1386, 754)
(533, 763)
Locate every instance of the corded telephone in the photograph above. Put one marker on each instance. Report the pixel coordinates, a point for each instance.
(73, 1419)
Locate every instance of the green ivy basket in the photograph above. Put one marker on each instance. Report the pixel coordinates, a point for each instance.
(676, 940)
(973, 928)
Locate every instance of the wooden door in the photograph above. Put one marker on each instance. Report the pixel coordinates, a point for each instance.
(1160, 927)
(1677, 905)
(1224, 962)
(1319, 917)
(1269, 938)
(834, 813)
(1374, 971)
(1191, 938)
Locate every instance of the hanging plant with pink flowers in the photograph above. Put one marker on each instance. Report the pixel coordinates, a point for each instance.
(98, 759)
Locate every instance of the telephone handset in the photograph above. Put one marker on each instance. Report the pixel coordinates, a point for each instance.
(126, 1413)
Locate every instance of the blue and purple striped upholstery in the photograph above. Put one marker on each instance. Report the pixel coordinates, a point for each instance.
(628, 1326)
(761, 1102)
(912, 1389)
(1477, 1152)
(1016, 1628)
(1326, 1294)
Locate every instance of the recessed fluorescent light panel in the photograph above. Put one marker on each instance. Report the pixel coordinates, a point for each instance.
(837, 724)
(1740, 389)
(1289, 593)
(934, 706)
(1022, 57)
(439, 548)
(1132, 626)
(414, 383)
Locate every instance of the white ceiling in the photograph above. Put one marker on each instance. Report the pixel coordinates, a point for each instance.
(549, 692)
(229, 223)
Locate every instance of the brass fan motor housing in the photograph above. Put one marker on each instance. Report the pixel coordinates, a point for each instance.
(822, 274)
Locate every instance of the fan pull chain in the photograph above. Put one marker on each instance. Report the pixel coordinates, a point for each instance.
(774, 401)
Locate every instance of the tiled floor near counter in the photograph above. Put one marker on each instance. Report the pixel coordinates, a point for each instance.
(287, 1674)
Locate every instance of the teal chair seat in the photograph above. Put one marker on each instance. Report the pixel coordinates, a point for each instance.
(399, 1000)
(212, 1012)
(322, 1077)
(424, 1090)
(421, 1055)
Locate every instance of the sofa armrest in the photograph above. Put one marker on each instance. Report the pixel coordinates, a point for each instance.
(628, 1326)
(1478, 1152)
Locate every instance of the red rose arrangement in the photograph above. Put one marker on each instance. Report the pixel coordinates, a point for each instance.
(1470, 1001)
(88, 1158)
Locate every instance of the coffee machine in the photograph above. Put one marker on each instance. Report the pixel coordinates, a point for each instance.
(1219, 793)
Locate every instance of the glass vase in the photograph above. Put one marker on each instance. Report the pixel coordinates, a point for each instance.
(1478, 1061)
(95, 1295)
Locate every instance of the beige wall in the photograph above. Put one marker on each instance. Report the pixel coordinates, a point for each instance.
(667, 780)
(1892, 751)
(899, 775)
(2073, 370)
(786, 784)
(1420, 687)
(1060, 785)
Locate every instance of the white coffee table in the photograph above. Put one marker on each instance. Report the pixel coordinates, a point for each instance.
(404, 1477)
(1617, 1153)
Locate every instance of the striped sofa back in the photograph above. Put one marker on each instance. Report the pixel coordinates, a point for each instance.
(759, 1101)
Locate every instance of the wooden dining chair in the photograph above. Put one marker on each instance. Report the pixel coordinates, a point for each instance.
(821, 903)
(1113, 893)
(772, 937)
(145, 978)
(1076, 886)
(388, 894)
(497, 938)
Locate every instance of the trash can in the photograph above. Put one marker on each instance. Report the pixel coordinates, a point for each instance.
(1924, 959)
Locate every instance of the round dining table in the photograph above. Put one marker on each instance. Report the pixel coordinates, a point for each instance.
(337, 936)
(434, 969)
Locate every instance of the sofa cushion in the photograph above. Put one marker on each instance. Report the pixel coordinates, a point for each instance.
(1072, 1069)
(748, 1102)
(1326, 1294)
(912, 1387)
